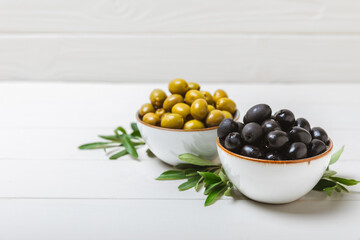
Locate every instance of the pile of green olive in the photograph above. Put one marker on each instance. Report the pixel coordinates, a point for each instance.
(187, 107)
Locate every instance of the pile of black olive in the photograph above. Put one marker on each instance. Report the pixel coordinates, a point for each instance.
(273, 137)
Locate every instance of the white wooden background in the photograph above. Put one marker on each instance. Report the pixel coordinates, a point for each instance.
(293, 41)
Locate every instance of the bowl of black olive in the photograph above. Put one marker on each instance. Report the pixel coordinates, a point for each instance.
(273, 158)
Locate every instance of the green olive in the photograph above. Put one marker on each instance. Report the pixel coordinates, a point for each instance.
(178, 86)
(194, 124)
(192, 95)
(211, 108)
(226, 104)
(214, 118)
(160, 112)
(167, 113)
(208, 97)
(171, 100)
(181, 108)
(151, 118)
(199, 109)
(227, 114)
(219, 94)
(146, 108)
(193, 86)
(172, 120)
(157, 98)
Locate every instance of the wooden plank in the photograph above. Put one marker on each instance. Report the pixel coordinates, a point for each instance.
(177, 219)
(180, 16)
(61, 143)
(121, 179)
(202, 58)
(107, 106)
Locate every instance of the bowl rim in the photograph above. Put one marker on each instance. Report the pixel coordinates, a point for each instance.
(237, 116)
(276, 161)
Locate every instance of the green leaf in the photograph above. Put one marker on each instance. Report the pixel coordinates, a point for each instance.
(129, 146)
(228, 192)
(342, 187)
(211, 187)
(223, 176)
(195, 160)
(172, 175)
(191, 182)
(210, 178)
(97, 145)
(119, 154)
(214, 195)
(329, 173)
(150, 153)
(199, 184)
(324, 183)
(335, 157)
(347, 182)
(329, 190)
(121, 129)
(113, 138)
(134, 127)
(190, 172)
(135, 134)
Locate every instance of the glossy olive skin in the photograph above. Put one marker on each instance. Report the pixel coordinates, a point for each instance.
(193, 86)
(233, 141)
(214, 118)
(219, 94)
(316, 147)
(178, 86)
(276, 139)
(208, 97)
(146, 108)
(227, 114)
(258, 113)
(181, 108)
(193, 124)
(319, 133)
(251, 151)
(172, 120)
(252, 132)
(270, 125)
(171, 100)
(240, 126)
(303, 123)
(299, 134)
(160, 112)
(272, 156)
(226, 104)
(210, 108)
(151, 118)
(157, 98)
(199, 109)
(297, 150)
(193, 95)
(285, 118)
(227, 126)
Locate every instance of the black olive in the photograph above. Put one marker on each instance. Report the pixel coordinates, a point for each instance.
(270, 125)
(297, 150)
(252, 132)
(251, 151)
(240, 126)
(227, 126)
(285, 118)
(317, 147)
(233, 141)
(258, 113)
(303, 123)
(298, 134)
(319, 133)
(277, 139)
(272, 156)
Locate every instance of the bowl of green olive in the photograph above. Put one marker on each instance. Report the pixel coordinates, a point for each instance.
(184, 121)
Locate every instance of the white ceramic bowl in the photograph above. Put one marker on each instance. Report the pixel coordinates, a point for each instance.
(273, 181)
(167, 144)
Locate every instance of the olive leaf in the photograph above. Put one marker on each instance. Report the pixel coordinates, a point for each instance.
(195, 160)
(127, 143)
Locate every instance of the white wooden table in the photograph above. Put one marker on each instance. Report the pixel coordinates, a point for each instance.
(51, 190)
